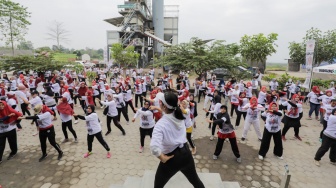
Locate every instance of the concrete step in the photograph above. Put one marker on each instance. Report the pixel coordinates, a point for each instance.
(230, 184)
(132, 182)
(212, 180)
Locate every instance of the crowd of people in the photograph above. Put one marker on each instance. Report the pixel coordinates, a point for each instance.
(51, 93)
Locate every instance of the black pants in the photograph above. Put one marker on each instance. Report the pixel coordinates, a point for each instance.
(144, 94)
(233, 108)
(191, 143)
(213, 129)
(200, 93)
(56, 97)
(68, 125)
(75, 99)
(116, 123)
(137, 96)
(211, 118)
(12, 141)
(234, 146)
(24, 108)
(130, 103)
(286, 128)
(266, 140)
(325, 124)
(82, 103)
(182, 161)
(50, 134)
(97, 97)
(327, 143)
(256, 92)
(123, 111)
(71, 93)
(143, 133)
(100, 138)
(239, 114)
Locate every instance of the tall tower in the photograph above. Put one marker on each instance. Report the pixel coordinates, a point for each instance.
(158, 22)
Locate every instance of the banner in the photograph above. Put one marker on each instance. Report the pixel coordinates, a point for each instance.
(310, 46)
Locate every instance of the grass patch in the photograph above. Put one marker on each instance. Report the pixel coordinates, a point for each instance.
(64, 57)
(276, 66)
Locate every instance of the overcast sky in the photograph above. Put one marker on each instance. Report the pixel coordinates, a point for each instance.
(207, 19)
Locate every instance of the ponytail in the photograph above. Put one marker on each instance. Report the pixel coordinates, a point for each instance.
(178, 113)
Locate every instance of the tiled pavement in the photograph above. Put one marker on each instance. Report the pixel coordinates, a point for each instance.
(98, 171)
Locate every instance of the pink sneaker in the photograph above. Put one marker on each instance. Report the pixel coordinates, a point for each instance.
(86, 155)
(108, 155)
(141, 149)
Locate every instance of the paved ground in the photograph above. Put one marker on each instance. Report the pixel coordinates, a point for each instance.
(98, 171)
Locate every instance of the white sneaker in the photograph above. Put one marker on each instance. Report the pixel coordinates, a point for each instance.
(76, 121)
(281, 158)
(261, 157)
(127, 123)
(211, 137)
(239, 160)
(76, 140)
(214, 157)
(317, 163)
(102, 107)
(141, 149)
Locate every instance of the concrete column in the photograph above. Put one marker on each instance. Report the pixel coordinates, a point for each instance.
(158, 22)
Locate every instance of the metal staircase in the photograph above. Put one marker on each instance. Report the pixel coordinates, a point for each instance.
(127, 19)
(126, 37)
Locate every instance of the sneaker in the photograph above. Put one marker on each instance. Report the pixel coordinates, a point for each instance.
(76, 140)
(239, 160)
(108, 155)
(243, 139)
(214, 157)
(60, 155)
(279, 157)
(127, 123)
(55, 118)
(102, 107)
(333, 163)
(283, 138)
(35, 134)
(260, 157)
(317, 118)
(86, 155)
(211, 137)
(65, 140)
(10, 156)
(76, 121)
(43, 157)
(309, 118)
(298, 137)
(124, 133)
(192, 136)
(0, 162)
(107, 133)
(317, 163)
(141, 149)
(193, 150)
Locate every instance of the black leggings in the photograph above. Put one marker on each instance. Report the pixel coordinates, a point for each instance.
(233, 108)
(327, 143)
(286, 128)
(234, 146)
(116, 123)
(75, 99)
(130, 103)
(97, 97)
(200, 92)
(123, 111)
(239, 114)
(213, 127)
(143, 133)
(64, 129)
(50, 134)
(211, 118)
(100, 138)
(325, 124)
(266, 140)
(137, 96)
(24, 108)
(182, 161)
(191, 143)
(56, 97)
(12, 141)
(82, 103)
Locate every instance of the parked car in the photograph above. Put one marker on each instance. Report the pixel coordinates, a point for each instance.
(221, 73)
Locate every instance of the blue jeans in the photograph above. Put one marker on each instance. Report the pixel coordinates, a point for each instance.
(314, 107)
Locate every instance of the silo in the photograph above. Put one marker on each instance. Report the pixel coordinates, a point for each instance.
(158, 22)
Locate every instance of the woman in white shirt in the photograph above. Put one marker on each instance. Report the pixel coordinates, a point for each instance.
(128, 98)
(66, 112)
(111, 114)
(46, 129)
(272, 128)
(314, 102)
(146, 123)
(214, 110)
(169, 144)
(119, 98)
(328, 141)
(291, 118)
(94, 130)
(252, 117)
(240, 111)
(188, 123)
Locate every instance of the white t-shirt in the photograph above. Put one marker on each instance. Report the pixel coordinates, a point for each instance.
(328, 109)
(44, 120)
(253, 115)
(273, 122)
(92, 124)
(313, 98)
(112, 111)
(187, 120)
(65, 117)
(35, 101)
(6, 127)
(146, 118)
(291, 111)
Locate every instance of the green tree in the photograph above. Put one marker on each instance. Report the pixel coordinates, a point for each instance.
(25, 45)
(297, 52)
(256, 48)
(124, 56)
(200, 57)
(13, 22)
(44, 48)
